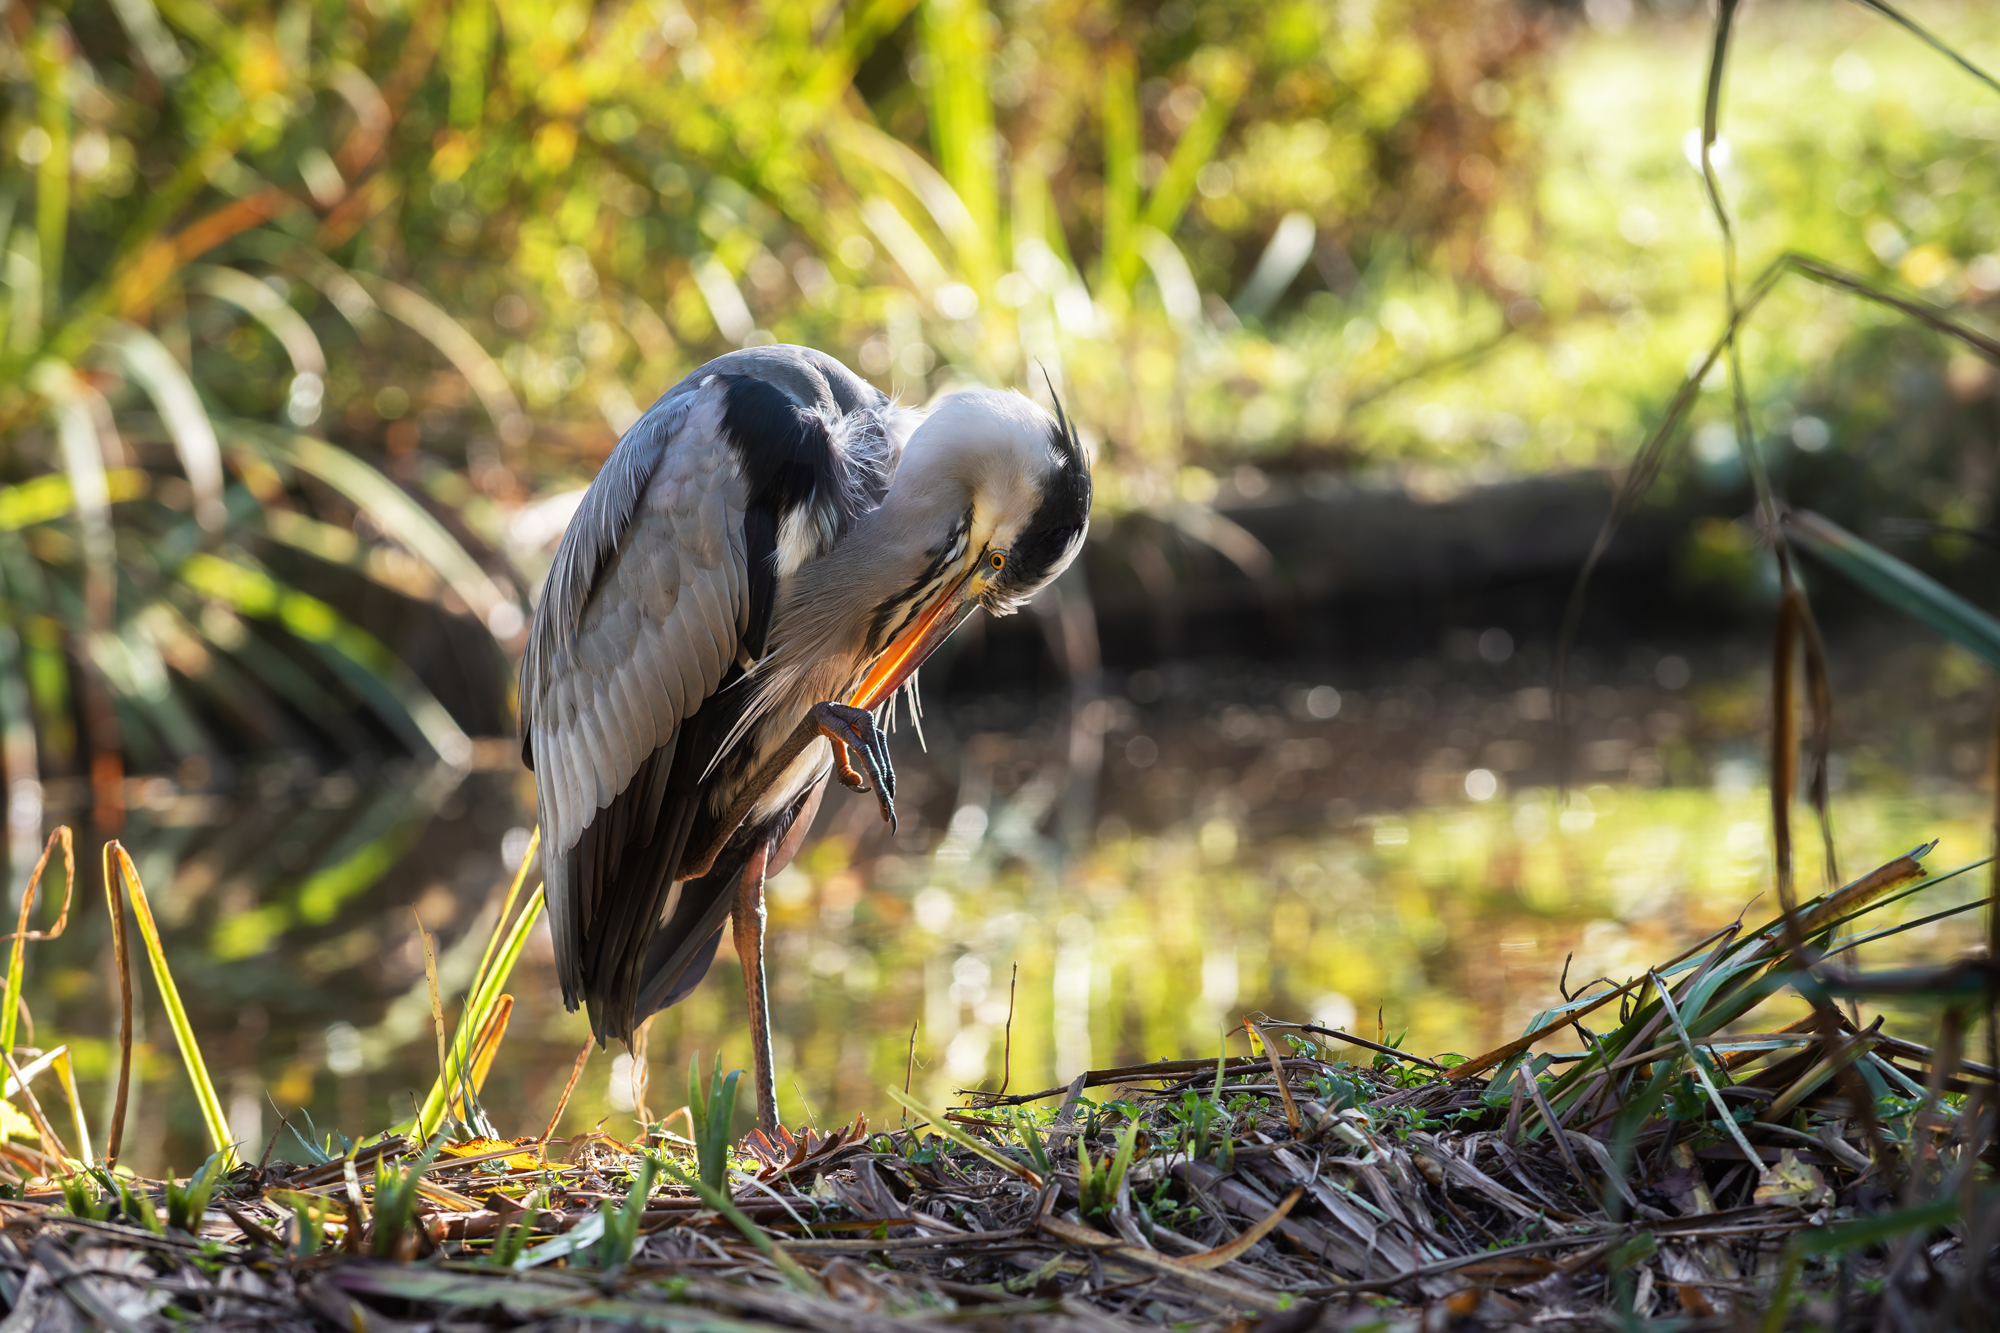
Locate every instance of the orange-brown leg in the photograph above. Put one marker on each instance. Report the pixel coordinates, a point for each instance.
(747, 925)
(843, 767)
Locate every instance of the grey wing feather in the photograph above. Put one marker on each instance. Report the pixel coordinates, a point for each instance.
(638, 626)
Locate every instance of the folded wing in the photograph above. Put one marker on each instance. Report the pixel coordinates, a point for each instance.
(641, 622)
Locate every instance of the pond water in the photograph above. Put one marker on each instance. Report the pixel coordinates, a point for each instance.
(1374, 847)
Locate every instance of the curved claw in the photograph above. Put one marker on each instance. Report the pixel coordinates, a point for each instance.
(853, 731)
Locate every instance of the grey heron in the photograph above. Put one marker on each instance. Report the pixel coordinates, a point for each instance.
(765, 558)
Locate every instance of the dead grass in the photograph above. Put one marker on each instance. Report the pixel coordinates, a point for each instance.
(1325, 1181)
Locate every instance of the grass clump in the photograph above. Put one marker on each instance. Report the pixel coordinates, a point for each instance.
(82, 1199)
(712, 1110)
(187, 1202)
(1649, 1142)
(1098, 1184)
(396, 1198)
(621, 1223)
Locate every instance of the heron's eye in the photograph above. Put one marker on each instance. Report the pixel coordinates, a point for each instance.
(998, 560)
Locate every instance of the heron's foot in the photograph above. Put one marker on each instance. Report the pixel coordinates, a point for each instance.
(853, 732)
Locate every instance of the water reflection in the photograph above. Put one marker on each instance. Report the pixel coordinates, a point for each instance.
(1394, 847)
(1386, 851)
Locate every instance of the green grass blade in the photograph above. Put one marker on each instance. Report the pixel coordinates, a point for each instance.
(396, 1197)
(16, 961)
(1098, 1184)
(1885, 932)
(1023, 1120)
(1224, 75)
(978, 1147)
(468, 50)
(177, 1019)
(307, 1233)
(391, 507)
(711, 1113)
(466, 354)
(1701, 1072)
(66, 1076)
(1121, 169)
(786, 1265)
(149, 362)
(954, 34)
(82, 1199)
(486, 994)
(1930, 39)
(48, 54)
(1128, 1143)
(137, 1208)
(360, 659)
(621, 1223)
(1915, 594)
(186, 1204)
(493, 941)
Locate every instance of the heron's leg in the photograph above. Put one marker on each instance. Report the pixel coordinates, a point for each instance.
(747, 924)
(853, 732)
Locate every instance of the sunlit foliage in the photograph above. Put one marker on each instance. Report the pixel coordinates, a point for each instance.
(465, 243)
(314, 316)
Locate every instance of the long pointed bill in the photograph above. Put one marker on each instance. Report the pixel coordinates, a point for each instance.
(907, 651)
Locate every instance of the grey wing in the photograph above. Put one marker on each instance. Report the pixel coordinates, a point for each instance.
(641, 620)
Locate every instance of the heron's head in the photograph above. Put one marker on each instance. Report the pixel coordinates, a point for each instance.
(990, 502)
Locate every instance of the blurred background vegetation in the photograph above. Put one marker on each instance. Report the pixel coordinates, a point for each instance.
(317, 316)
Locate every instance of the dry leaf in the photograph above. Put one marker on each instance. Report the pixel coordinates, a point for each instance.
(529, 1159)
(1792, 1182)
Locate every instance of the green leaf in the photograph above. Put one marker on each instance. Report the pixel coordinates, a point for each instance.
(955, 35)
(1636, 1250)
(1915, 594)
(187, 1203)
(715, 1198)
(148, 361)
(393, 510)
(712, 1111)
(621, 1224)
(485, 994)
(117, 861)
(396, 1197)
(978, 1147)
(363, 661)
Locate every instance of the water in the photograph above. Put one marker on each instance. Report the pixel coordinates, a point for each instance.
(1377, 846)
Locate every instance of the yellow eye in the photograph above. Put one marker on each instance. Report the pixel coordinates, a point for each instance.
(998, 560)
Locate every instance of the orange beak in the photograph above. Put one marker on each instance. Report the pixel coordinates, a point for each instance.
(907, 651)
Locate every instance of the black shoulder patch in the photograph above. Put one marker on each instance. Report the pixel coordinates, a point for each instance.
(786, 453)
